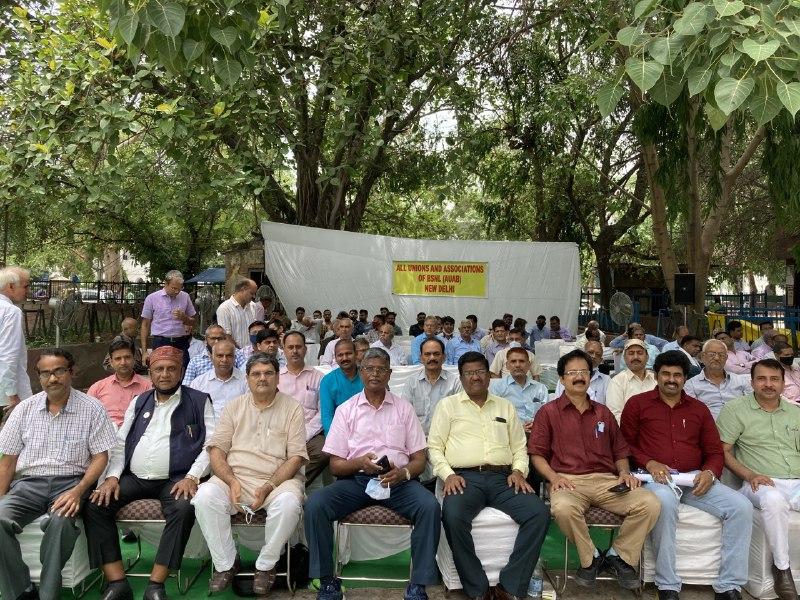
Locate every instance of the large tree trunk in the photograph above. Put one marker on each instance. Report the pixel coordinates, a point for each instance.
(603, 258)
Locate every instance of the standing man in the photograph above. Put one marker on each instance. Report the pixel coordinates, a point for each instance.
(518, 387)
(256, 455)
(428, 331)
(385, 342)
(223, 382)
(577, 446)
(310, 328)
(715, 387)
(760, 434)
(344, 331)
(669, 430)
(53, 448)
(462, 344)
(165, 315)
(477, 447)
(14, 382)
(498, 341)
(425, 389)
(237, 312)
(159, 454)
(637, 378)
(116, 391)
(598, 384)
(341, 384)
(373, 424)
(202, 362)
(302, 383)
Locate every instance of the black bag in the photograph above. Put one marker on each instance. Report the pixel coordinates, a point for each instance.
(243, 584)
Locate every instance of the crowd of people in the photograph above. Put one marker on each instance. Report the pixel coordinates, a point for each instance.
(242, 423)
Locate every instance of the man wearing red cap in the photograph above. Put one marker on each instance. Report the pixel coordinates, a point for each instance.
(159, 454)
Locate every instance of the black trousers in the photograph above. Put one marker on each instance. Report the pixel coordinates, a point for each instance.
(458, 510)
(101, 527)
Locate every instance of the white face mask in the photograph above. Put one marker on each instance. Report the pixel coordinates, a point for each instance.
(514, 344)
(376, 490)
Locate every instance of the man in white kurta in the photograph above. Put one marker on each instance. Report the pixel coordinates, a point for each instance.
(257, 453)
(15, 385)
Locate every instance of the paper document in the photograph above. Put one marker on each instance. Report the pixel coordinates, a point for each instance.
(684, 479)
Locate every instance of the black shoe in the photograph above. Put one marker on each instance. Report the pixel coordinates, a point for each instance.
(728, 595)
(155, 592)
(627, 577)
(668, 595)
(783, 583)
(129, 536)
(586, 576)
(119, 590)
(31, 594)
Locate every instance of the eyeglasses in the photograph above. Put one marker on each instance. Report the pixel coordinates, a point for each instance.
(261, 374)
(375, 370)
(710, 354)
(59, 373)
(576, 372)
(478, 372)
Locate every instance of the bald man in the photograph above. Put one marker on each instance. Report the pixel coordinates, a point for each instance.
(130, 332)
(714, 386)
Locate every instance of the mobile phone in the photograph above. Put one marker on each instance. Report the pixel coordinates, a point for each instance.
(620, 488)
(383, 463)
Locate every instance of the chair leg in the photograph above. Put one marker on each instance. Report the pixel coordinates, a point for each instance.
(337, 565)
(289, 582)
(185, 584)
(132, 562)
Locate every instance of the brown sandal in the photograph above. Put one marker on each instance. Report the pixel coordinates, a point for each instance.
(220, 580)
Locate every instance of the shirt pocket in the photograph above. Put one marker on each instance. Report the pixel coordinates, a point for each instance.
(395, 437)
(497, 435)
(274, 443)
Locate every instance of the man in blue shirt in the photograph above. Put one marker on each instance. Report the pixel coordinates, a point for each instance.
(341, 384)
(428, 331)
(462, 344)
(518, 387)
(540, 331)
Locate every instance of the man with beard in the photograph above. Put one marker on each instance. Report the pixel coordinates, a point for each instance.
(159, 454)
(341, 384)
(202, 362)
(637, 378)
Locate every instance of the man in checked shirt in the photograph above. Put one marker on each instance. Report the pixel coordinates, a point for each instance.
(54, 447)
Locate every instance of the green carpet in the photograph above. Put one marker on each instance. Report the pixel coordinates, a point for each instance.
(395, 566)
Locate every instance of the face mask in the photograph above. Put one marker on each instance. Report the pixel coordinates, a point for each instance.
(169, 391)
(253, 338)
(787, 360)
(514, 344)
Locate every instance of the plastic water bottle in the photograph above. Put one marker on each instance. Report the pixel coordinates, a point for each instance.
(536, 583)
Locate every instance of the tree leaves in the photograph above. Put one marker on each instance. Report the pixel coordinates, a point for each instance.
(228, 69)
(168, 17)
(644, 73)
(764, 104)
(665, 50)
(127, 25)
(759, 52)
(730, 93)
(226, 37)
(667, 89)
(694, 19)
(193, 49)
(789, 94)
(608, 96)
(699, 78)
(727, 9)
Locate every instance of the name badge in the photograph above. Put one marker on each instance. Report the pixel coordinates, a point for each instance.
(146, 415)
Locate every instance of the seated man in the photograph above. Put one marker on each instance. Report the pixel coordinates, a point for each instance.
(557, 332)
(256, 453)
(252, 332)
(428, 331)
(598, 384)
(372, 425)
(764, 326)
(416, 328)
(344, 331)
(581, 474)
(477, 333)
(618, 342)
(519, 388)
(269, 342)
(637, 332)
(361, 345)
(341, 384)
(592, 332)
(159, 454)
(202, 362)
(116, 391)
(681, 331)
(462, 344)
(691, 345)
(53, 448)
(425, 389)
(540, 331)
(737, 361)
(386, 343)
(714, 387)
(130, 331)
(477, 447)
(736, 331)
(391, 318)
(765, 349)
(499, 368)
(373, 334)
(760, 439)
(791, 383)
(302, 383)
(633, 380)
(498, 340)
(448, 329)
(224, 382)
(667, 429)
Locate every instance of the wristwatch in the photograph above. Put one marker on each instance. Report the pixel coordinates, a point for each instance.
(193, 478)
(408, 473)
(713, 477)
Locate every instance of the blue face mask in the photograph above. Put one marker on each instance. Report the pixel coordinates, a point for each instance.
(253, 339)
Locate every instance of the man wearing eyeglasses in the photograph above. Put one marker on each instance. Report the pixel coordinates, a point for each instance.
(577, 446)
(477, 447)
(14, 382)
(256, 453)
(54, 447)
(373, 427)
(714, 386)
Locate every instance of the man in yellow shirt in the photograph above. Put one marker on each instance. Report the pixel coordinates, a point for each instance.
(478, 448)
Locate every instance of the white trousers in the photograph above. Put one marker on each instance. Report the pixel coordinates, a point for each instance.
(774, 505)
(213, 510)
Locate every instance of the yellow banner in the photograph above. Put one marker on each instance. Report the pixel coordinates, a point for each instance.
(420, 278)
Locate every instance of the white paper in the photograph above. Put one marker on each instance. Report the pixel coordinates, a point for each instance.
(682, 479)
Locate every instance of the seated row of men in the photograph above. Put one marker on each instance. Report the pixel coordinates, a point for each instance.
(57, 444)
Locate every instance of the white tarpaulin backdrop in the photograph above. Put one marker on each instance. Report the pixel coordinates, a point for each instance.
(322, 268)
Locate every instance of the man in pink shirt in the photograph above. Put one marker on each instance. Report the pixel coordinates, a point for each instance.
(738, 361)
(116, 391)
(302, 383)
(373, 426)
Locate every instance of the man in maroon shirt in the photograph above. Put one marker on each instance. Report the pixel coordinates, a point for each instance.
(668, 432)
(577, 446)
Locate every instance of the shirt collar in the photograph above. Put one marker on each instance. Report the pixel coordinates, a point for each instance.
(285, 369)
(464, 397)
(4, 298)
(234, 375)
(630, 375)
(751, 398)
(509, 380)
(362, 398)
(442, 375)
(69, 407)
(563, 402)
(134, 380)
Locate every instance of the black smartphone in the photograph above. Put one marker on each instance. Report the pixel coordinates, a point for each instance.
(620, 488)
(383, 463)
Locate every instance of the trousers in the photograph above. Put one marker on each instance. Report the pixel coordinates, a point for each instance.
(213, 510)
(774, 505)
(27, 500)
(458, 510)
(101, 526)
(345, 496)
